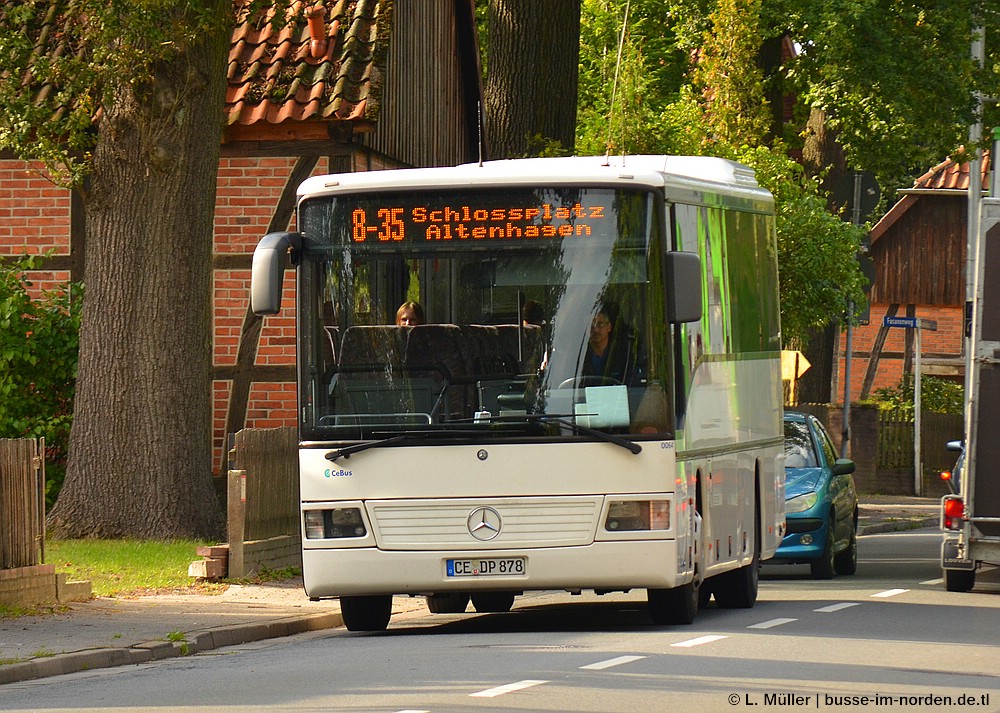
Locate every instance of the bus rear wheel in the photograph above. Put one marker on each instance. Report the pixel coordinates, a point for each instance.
(738, 589)
(366, 613)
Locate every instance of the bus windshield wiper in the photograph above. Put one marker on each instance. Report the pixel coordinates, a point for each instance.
(389, 440)
(347, 451)
(567, 420)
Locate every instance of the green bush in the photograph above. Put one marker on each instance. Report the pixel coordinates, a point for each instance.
(39, 337)
(937, 395)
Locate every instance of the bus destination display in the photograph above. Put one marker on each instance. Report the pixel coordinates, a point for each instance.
(390, 223)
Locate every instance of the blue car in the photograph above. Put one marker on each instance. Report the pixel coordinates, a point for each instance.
(821, 502)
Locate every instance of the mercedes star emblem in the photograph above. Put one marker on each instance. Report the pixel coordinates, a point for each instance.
(484, 523)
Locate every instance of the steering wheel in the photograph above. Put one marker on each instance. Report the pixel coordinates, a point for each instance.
(591, 380)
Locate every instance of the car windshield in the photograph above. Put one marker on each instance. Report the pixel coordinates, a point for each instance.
(799, 449)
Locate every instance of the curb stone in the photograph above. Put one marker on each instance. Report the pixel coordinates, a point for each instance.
(193, 643)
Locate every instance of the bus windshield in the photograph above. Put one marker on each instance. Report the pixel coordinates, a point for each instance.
(533, 312)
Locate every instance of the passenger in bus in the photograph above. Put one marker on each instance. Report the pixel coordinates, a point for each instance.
(610, 353)
(409, 314)
(532, 314)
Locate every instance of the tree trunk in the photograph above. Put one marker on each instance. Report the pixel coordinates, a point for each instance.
(140, 449)
(531, 82)
(821, 153)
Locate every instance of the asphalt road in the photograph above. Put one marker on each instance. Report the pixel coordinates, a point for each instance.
(887, 639)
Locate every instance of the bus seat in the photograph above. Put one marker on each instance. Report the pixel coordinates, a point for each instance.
(531, 346)
(377, 346)
(435, 351)
(485, 351)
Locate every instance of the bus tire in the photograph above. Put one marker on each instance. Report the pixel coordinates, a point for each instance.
(370, 613)
(738, 589)
(959, 580)
(673, 606)
(492, 602)
(448, 603)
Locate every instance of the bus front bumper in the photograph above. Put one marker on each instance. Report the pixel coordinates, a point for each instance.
(607, 566)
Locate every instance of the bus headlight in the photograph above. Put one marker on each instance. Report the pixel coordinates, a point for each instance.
(334, 523)
(633, 515)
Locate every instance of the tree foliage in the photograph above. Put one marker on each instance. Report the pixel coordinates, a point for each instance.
(708, 98)
(63, 62)
(731, 84)
(39, 334)
(895, 80)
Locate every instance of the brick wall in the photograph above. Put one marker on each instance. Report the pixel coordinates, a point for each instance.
(943, 345)
(35, 218)
(34, 213)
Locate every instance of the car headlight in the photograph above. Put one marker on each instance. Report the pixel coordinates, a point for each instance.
(801, 503)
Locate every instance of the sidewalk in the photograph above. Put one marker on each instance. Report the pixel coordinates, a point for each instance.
(120, 631)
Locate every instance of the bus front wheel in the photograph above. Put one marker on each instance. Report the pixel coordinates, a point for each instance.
(448, 603)
(673, 606)
(493, 602)
(366, 613)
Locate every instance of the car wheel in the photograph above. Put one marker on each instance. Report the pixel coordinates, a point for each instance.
(448, 603)
(492, 602)
(846, 562)
(366, 613)
(959, 580)
(823, 568)
(673, 606)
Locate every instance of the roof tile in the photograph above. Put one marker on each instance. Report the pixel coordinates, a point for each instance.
(288, 74)
(949, 174)
(274, 74)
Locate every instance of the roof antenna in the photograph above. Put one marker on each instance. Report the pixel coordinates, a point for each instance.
(614, 89)
(479, 128)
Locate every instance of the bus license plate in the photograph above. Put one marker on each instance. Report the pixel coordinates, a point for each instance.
(488, 566)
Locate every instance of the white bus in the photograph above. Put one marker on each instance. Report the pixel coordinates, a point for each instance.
(592, 401)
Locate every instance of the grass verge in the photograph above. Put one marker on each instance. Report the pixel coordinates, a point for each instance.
(129, 567)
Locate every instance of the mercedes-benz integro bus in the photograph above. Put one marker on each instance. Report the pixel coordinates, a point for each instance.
(496, 448)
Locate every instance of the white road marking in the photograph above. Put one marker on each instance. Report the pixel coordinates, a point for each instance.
(889, 593)
(509, 688)
(836, 607)
(699, 641)
(771, 622)
(931, 582)
(617, 661)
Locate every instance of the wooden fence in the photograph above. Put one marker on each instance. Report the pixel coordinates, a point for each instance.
(263, 501)
(22, 502)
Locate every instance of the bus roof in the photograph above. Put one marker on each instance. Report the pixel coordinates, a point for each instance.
(653, 171)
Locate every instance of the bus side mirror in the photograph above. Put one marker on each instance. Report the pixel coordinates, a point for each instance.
(268, 270)
(683, 287)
